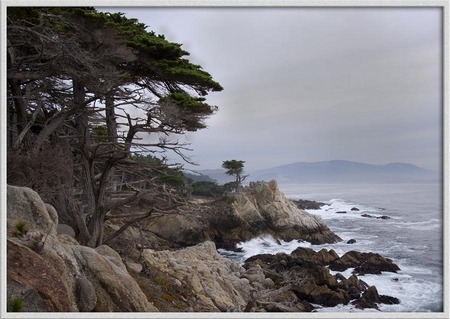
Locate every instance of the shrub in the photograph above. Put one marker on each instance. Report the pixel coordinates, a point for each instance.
(21, 227)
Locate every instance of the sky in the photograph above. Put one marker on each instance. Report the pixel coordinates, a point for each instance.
(313, 84)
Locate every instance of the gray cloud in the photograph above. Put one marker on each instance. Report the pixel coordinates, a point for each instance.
(310, 84)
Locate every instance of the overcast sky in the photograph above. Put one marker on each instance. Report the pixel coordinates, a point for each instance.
(313, 84)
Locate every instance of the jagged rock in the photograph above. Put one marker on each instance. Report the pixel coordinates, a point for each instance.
(212, 279)
(304, 272)
(321, 295)
(259, 209)
(323, 257)
(262, 209)
(364, 263)
(370, 299)
(307, 204)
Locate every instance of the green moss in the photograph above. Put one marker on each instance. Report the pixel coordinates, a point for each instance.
(163, 282)
(16, 305)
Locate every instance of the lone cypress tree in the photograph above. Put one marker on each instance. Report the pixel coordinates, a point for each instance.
(235, 167)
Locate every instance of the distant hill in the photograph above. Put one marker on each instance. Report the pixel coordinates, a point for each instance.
(337, 171)
(216, 174)
(198, 177)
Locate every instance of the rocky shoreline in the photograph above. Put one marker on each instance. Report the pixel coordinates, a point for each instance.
(173, 264)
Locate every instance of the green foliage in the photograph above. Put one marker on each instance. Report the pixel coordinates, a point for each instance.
(233, 167)
(207, 189)
(21, 227)
(100, 134)
(16, 305)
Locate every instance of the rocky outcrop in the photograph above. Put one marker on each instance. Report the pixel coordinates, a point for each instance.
(214, 281)
(261, 208)
(53, 272)
(216, 284)
(364, 263)
(305, 274)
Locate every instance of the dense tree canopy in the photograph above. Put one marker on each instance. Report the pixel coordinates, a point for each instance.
(94, 90)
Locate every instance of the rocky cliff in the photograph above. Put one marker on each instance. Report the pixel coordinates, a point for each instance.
(259, 209)
(262, 209)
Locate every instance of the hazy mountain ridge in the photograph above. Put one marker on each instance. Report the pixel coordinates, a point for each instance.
(337, 171)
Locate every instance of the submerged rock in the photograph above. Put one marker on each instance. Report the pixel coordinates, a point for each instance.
(376, 217)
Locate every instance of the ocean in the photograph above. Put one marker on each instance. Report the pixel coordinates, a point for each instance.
(412, 237)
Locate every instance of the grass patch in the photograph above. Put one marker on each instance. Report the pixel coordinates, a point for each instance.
(21, 227)
(16, 305)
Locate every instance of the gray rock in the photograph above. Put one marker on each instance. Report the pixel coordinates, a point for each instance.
(65, 229)
(85, 293)
(210, 276)
(53, 279)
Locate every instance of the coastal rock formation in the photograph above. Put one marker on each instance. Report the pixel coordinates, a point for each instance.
(214, 281)
(51, 272)
(261, 208)
(304, 273)
(364, 263)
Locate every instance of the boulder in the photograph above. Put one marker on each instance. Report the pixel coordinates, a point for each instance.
(25, 205)
(34, 279)
(54, 273)
(351, 241)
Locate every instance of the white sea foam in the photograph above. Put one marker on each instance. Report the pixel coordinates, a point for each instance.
(268, 245)
(410, 237)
